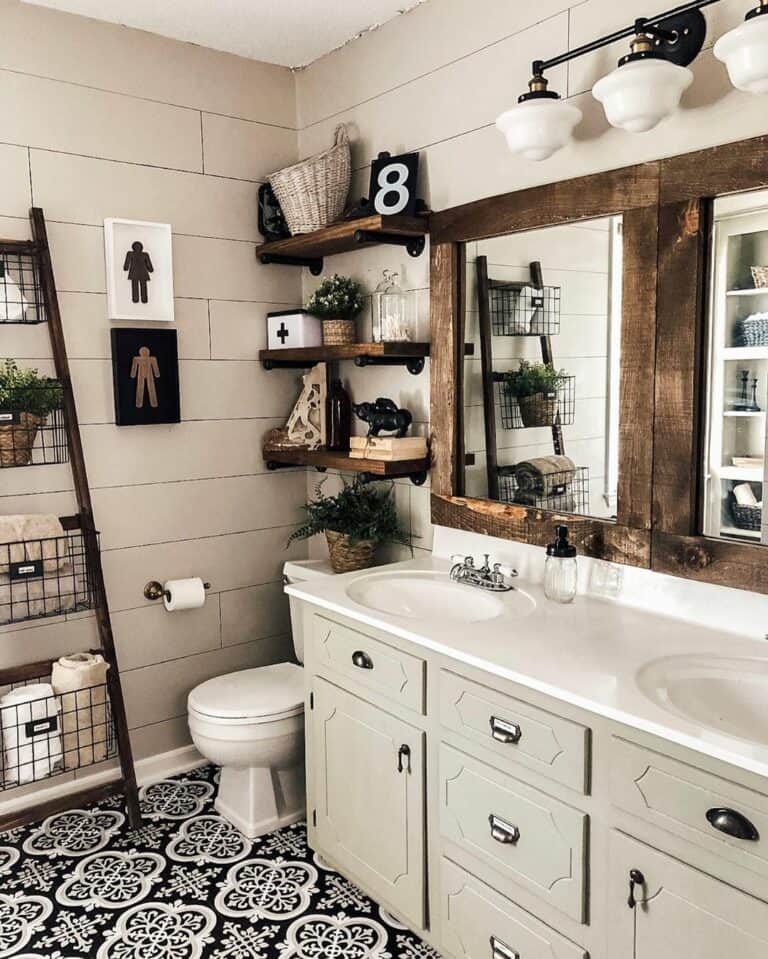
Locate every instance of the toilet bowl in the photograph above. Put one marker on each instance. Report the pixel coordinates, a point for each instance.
(251, 723)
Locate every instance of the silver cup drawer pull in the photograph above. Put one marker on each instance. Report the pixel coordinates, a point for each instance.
(503, 831)
(501, 951)
(505, 732)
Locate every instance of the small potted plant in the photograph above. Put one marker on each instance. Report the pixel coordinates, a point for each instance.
(535, 387)
(355, 522)
(337, 301)
(26, 400)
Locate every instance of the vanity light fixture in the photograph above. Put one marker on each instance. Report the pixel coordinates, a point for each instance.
(649, 81)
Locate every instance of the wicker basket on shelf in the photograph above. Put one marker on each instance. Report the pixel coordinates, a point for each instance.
(17, 440)
(746, 517)
(346, 558)
(760, 277)
(312, 193)
(339, 332)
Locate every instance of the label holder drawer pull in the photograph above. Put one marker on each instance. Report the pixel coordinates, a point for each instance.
(504, 731)
(503, 831)
(361, 660)
(732, 823)
(500, 950)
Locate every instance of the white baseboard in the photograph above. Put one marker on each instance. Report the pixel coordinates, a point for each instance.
(149, 770)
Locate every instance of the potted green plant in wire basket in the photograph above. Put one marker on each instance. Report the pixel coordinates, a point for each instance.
(355, 521)
(26, 400)
(337, 301)
(535, 386)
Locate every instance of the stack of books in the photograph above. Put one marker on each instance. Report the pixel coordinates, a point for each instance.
(388, 448)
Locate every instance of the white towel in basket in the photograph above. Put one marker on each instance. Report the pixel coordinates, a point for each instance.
(33, 536)
(31, 741)
(27, 598)
(79, 681)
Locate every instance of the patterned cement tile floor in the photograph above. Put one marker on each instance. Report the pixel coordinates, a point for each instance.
(187, 885)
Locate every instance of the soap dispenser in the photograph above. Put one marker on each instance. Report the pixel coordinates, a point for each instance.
(560, 572)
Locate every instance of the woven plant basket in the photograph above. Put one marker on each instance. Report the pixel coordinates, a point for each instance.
(312, 194)
(539, 409)
(746, 517)
(346, 558)
(339, 332)
(17, 440)
(760, 277)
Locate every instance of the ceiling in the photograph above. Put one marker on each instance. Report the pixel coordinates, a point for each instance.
(292, 33)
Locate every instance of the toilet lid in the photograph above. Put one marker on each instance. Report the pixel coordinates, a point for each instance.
(266, 693)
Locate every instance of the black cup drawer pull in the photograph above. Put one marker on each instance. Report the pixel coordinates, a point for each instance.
(501, 951)
(503, 831)
(361, 660)
(505, 732)
(732, 823)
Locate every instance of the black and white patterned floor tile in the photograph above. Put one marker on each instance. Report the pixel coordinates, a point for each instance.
(187, 885)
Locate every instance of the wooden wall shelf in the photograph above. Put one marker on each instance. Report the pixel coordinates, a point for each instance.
(410, 355)
(309, 249)
(415, 470)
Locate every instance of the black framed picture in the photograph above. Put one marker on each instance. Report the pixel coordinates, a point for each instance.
(393, 184)
(145, 373)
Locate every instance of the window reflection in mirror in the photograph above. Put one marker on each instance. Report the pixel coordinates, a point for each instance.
(737, 394)
(541, 392)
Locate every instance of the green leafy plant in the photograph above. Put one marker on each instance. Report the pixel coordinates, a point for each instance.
(532, 378)
(337, 297)
(359, 511)
(26, 391)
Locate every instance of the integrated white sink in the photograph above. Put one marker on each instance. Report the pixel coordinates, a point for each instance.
(726, 694)
(431, 595)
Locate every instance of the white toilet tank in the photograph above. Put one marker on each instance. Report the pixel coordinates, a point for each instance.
(298, 572)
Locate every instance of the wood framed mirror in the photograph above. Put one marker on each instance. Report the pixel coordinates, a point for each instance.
(561, 277)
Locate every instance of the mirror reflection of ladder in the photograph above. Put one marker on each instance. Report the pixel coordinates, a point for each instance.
(103, 733)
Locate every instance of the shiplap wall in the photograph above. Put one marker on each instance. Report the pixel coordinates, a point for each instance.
(435, 80)
(95, 121)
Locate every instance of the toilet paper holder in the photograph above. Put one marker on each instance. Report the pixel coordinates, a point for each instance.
(154, 590)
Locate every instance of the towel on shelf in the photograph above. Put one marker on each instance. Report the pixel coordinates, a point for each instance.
(30, 727)
(744, 495)
(26, 538)
(545, 475)
(28, 598)
(79, 681)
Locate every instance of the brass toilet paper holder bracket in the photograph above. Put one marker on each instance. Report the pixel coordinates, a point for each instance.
(154, 590)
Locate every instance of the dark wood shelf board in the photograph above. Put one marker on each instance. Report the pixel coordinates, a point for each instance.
(340, 237)
(348, 351)
(323, 459)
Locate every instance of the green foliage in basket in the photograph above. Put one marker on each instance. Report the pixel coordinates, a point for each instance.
(26, 391)
(532, 378)
(337, 297)
(359, 510)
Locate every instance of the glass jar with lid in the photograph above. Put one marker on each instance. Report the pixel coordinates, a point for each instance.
(394, 312)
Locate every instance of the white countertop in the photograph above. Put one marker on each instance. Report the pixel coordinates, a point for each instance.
(587, 654)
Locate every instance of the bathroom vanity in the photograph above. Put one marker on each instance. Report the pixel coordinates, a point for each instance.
(514, 779)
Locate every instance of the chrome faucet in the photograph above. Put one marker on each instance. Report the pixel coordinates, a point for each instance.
(492, 578)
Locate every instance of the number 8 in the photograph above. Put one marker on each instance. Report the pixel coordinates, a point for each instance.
(388, 187)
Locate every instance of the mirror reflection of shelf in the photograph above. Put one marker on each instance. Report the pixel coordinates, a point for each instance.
(761, 291)
(745, 353)
(736, 532)
(745, 413)
(741, 473)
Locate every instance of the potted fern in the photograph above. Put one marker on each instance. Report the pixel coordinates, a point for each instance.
(337, 301)
(535, 386)
(355, 522)
(26, 400)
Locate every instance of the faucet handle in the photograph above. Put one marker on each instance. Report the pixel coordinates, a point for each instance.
(486, 568)
(501, 570)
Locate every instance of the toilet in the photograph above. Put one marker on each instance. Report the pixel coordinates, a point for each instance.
(251, 723)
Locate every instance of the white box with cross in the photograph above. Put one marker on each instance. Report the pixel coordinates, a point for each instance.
(293, 329)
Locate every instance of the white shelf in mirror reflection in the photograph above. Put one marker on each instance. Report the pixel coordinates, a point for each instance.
(735, 531)
(744, 413)
(745, 353)
(739, 473)
(753, 292)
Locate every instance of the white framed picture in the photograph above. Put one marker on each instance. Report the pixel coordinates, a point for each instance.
(139, 263)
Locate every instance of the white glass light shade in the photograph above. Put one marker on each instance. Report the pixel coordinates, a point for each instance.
(641, 93)
(539, 127)
(744, 51)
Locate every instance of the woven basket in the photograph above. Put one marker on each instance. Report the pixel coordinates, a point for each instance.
(17, 440)
(313, 193)
(539, 409)
(746, 517)
(760, 277)
(339, 332)
(346, 558)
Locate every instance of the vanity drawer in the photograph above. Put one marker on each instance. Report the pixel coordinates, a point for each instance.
(479, 923)
(370, 663)
(532, 839)
(515, 730)
(683, 799)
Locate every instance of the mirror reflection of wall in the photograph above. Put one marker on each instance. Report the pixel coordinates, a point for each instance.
(541, 393)
(737, 394)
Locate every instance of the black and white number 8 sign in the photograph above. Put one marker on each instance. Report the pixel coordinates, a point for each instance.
(393, 182)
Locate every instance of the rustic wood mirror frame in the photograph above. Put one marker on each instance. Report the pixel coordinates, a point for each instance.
(633, 192)
(688, 187)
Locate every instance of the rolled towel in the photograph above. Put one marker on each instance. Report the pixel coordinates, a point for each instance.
(28, 598)
(31, 739)
(545, 475)
(26, 538)
(744, 495)
(79, 681)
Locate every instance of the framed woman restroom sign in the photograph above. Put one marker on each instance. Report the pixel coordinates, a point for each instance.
(139, 264)
(145, 373)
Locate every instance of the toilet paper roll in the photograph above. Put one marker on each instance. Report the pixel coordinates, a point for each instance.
(184, 594)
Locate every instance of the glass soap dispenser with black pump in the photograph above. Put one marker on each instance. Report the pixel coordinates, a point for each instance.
(560, 570)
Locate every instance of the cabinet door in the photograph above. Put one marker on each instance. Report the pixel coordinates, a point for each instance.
(368, 773)
(679, 911)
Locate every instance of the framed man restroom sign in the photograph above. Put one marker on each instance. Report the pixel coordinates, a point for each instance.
(139, 263)
(145, 373)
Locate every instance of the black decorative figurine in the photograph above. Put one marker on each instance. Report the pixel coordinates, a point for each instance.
(384, 414)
